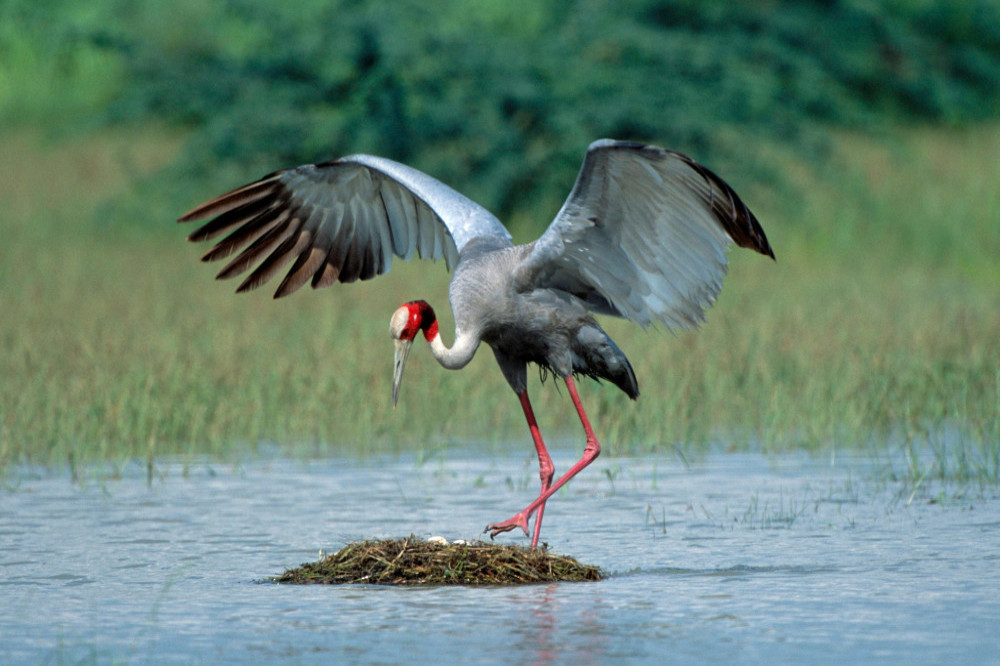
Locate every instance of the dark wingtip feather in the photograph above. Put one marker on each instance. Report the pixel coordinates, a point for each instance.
(736, 217)
(294, 243)
(303, 270)
(247, 285)
(233, 199)
(754, 237)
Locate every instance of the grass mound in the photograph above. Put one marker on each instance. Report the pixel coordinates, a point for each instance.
(413, 561)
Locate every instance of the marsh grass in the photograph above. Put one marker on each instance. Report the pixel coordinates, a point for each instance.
(877, 324)
(767, 516)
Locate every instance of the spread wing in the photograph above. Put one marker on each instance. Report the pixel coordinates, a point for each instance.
(643, 235)
(340, 221)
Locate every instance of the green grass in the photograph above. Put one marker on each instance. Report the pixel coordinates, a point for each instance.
(878, 324)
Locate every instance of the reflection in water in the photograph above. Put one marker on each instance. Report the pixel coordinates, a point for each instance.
(542, 629)
(784, 559)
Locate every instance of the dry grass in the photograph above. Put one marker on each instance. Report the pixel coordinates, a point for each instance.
(413, 561)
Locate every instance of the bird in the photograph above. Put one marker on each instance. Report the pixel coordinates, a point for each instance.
(643, 235)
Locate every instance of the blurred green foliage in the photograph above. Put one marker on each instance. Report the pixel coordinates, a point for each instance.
(498, 99)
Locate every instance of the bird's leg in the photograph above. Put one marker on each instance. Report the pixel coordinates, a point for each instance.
(545, 467)
(590, 452)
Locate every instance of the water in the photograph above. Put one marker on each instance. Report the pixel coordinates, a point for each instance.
(737, 558)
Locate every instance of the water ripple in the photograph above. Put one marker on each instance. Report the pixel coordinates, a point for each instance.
(734, 558)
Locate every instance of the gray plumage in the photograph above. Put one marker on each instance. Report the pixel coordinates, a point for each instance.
(643, 235)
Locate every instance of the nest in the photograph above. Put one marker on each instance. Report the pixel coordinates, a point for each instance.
(413, 561)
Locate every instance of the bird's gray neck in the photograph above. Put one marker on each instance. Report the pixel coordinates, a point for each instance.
(459, 354)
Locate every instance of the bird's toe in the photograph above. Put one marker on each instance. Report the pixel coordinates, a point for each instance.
(520, 520)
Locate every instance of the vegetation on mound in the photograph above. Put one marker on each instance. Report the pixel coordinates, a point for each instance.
(413, 561)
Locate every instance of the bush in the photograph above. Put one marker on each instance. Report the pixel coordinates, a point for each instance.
(501, 102)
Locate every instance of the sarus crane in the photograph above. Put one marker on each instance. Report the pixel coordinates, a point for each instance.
(643, 235)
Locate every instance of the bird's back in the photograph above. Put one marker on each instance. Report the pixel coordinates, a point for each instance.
(545, 326)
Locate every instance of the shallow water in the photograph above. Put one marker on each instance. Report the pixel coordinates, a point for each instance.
(737, 558)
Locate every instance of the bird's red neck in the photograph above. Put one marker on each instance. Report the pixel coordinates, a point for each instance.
(422, 318)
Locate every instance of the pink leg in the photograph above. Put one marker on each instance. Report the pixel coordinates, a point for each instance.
(590, 452)
(545, 467)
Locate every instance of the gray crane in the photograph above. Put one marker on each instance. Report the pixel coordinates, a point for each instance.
(643, 236)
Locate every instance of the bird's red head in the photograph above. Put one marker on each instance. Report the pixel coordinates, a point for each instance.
(413, 317)
(406, 321)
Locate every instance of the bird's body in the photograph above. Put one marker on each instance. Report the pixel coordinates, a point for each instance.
(530, 325)
(643, 236)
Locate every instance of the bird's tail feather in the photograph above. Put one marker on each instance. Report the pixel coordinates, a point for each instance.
(597, 356)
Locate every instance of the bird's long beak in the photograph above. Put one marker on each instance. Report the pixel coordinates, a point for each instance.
(402, 351)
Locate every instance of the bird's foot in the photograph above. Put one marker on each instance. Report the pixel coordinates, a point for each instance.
(520, 520)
